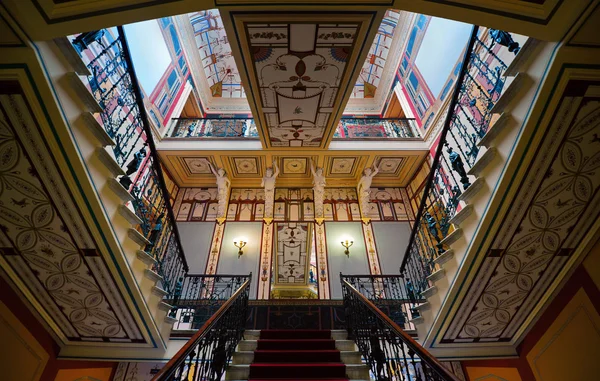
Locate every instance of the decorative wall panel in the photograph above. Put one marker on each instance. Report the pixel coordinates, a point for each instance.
(266, 250)
(196, 204)
(322, 263)
(215, 250)
(552, 211)
(372, 256)
(300, 68)
(388, 204)
(292, 253)
(246, 204)
(341, 204)
(45, 242)
(294, 204)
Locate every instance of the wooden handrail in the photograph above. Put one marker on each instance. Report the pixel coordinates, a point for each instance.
(181, 355)
(406, 338)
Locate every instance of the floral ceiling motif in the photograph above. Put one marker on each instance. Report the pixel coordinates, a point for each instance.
(300, 72)
(45, 242)
(551, 213)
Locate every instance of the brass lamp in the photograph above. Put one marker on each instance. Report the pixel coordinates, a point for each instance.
(240, 243)
(347, 242)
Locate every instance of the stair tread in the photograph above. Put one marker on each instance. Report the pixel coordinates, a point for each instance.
(297, 364)
(301, 340)
(295, 350)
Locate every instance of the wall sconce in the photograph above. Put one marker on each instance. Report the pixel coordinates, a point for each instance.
(347, 242)
(240, 243)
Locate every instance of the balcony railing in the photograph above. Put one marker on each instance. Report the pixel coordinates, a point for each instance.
(198, 297)
(469, 116)
(245, 128)
(377, 128)
(392, 294)
(213, 128)
(114, 86)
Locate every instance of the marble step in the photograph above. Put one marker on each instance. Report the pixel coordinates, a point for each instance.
(247, 357)
(242, 372)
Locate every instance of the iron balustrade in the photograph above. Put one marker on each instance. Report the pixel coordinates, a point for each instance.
(206, 355)
(479, 86)
(392, 294)
(377, 128)
(348, 128)
(114, 85)
(212, 127)
(198, 297)
(390, 353)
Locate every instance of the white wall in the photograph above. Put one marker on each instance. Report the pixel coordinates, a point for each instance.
(229, 263)
(196, 238)
(391, 239)
(355, 263)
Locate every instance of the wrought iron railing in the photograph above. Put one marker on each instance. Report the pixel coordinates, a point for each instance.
(114, 86)
(348, 128)
(208, 352)
(212, 127)
(198, 297)
(390, 353)
(478, 88)
(377, 128)
(392, 294)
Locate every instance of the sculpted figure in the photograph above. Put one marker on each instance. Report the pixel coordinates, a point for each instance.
(319, 182)
(223, 185)
(268, 182)
(364, 188)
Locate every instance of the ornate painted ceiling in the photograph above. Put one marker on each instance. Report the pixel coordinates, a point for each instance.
(223, 80)
(246, 168)
(551, 213)
(45, 245)
(299, 69)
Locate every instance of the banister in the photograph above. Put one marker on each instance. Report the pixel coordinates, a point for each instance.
(423, 354)
(440, 147)
(150, 140)
(185, 351)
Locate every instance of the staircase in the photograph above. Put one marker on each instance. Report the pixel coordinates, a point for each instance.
(299, 354)
(102, 153)
(466, 207)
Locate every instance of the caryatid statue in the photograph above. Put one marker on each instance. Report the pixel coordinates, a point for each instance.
(364, 189)
(268, 182)
(223, 185)
(319, 182)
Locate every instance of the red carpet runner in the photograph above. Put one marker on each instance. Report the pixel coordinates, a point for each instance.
(297, 355)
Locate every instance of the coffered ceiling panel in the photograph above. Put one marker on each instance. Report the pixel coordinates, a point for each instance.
(300, 69)
(246, 168)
